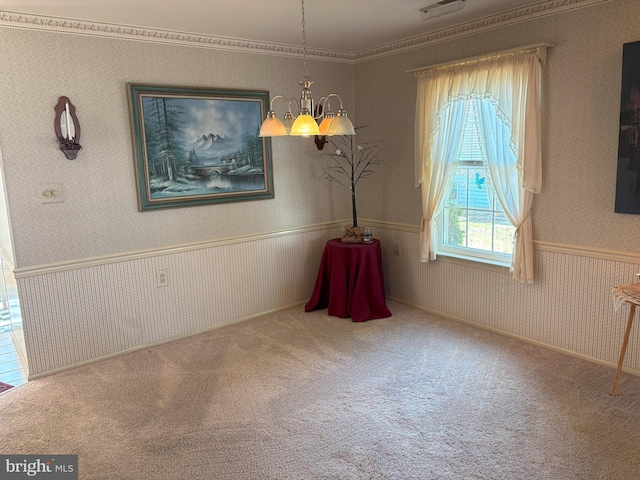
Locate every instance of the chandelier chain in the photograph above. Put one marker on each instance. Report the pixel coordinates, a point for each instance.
(304, 41)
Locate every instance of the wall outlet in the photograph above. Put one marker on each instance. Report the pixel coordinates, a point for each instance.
(162, 278)
(397, 247)
(51, 193)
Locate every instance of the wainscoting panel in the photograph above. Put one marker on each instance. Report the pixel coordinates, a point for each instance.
(74, 315)
(569, 307)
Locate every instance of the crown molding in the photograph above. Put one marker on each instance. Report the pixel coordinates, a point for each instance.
(492, 22)
(155, 35)
(47, 23)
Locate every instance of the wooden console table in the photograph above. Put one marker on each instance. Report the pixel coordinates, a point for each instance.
(630, 293)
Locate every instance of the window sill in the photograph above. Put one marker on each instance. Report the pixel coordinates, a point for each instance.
(474, 262)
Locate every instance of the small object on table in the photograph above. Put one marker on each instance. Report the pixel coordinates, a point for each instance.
(352, 234)
(367, 236)
(630, 293)
(350, 281)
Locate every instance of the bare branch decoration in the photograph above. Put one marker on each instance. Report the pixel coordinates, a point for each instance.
(350, 162)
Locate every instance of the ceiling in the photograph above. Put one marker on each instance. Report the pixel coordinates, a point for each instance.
(337, 25)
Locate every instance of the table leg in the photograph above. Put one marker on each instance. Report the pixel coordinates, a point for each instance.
(624, 348)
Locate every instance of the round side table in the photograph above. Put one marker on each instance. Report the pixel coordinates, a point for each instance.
(630, 293)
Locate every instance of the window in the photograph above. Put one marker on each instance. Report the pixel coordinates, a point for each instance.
(505, 91)
(473, 223)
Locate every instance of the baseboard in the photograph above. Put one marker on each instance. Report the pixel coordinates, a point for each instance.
(512, 335)
(159, 342)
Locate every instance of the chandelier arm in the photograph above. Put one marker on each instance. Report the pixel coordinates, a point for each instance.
(337, 96)
(289, 101)
(295, 102)
(277, 96)
(326, 106)
(321, 103)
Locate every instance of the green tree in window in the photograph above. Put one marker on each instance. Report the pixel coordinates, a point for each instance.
(456, 233)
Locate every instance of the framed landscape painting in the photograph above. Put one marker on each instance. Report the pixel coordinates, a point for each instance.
(195, 146)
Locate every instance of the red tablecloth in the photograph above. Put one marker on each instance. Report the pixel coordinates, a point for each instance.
(350, 282)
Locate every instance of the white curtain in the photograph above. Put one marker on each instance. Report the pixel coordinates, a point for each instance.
(511, 85)
(446, 143)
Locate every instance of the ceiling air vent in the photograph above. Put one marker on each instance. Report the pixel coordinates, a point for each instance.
(438, 8)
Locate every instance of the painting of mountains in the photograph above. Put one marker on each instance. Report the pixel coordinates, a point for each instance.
(195, 146)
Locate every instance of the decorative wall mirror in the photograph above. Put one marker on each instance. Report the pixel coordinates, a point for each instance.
(67, 128)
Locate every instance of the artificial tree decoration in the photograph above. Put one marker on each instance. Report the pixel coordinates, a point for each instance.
(349, 163)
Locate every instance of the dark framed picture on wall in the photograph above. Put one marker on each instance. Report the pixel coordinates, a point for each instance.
(627, 179)
(195, 146)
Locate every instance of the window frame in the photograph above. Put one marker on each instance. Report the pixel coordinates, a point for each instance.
(468, 162)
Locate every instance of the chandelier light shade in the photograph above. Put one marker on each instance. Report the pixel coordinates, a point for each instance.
(341, 125)
(272, 126)
(326, 122)
(288, 121)
(306, 124)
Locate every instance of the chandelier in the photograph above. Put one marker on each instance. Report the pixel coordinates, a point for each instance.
(305, 124)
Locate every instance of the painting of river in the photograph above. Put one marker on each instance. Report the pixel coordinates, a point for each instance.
(197, 146)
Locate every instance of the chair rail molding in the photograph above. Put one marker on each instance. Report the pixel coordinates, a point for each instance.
(24, 272)
(541, 245)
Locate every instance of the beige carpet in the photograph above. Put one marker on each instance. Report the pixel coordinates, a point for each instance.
(307, 396)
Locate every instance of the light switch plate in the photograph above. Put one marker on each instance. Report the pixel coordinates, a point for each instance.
(51, 193)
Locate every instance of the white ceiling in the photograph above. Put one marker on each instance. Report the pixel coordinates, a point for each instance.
(338, 25)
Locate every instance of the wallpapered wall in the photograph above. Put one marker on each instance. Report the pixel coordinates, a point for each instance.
(569, 307)
(581, 104)
(100, 213)
(82, 312)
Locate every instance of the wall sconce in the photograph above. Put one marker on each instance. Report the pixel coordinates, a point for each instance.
(67, 128)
